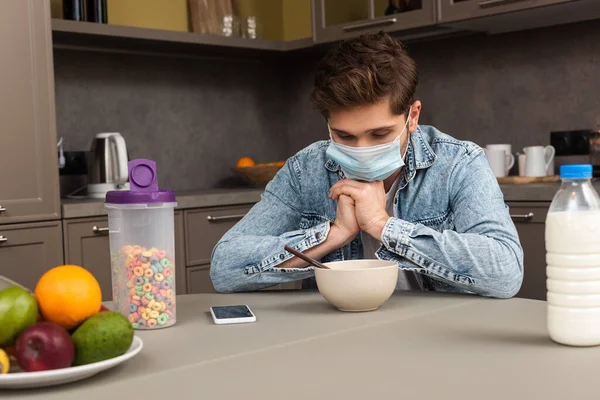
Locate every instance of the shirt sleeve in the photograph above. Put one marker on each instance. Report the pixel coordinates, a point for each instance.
(482, 254)
(246, 256)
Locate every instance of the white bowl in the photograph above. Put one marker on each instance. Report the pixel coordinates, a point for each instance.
(357, 285)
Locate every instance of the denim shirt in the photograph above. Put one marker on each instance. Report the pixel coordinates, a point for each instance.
(450, 223)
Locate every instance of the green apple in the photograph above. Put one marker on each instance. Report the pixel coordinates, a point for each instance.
(18, 310)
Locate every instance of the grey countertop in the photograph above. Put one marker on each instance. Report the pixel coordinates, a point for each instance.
(417, 345)
(81, 208)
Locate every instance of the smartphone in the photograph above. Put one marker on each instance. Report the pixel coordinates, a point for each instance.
(232, 314)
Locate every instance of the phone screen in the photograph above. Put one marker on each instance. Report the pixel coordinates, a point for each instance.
(227, 312)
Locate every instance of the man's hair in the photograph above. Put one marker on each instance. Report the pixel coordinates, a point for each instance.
(363, 71)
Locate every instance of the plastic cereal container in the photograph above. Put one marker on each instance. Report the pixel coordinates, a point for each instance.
(142, 245)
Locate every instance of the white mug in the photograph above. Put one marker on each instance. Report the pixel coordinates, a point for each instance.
(522, 161)
(509, 161)
(500, 161)
(538, 160)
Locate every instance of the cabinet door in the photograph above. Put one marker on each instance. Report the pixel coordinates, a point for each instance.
(205, 226)
(87, 244)
(29, 250)
(28, 159)
(456, 10)
(334, 20)
(530, 222)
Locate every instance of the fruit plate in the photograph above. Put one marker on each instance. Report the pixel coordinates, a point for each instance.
(30, 380)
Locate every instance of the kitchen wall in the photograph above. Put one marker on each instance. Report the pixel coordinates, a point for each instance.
(196, 117)
(511, 88)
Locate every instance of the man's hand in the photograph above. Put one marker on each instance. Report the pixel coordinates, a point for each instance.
(369, 203)
(345, 227)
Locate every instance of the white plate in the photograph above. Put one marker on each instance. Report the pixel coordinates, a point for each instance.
(29, 380)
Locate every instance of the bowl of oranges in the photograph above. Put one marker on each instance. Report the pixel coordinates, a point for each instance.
(257, 174)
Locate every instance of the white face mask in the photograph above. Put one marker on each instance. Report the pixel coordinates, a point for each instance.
(372, 163)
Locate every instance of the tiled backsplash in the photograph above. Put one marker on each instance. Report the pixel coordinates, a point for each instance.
(196, 117)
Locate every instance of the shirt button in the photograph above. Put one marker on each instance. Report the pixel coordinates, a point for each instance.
(282, 256)
(318, 235)
(393, 244)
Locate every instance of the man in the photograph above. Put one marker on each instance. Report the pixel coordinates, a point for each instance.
(381, 187)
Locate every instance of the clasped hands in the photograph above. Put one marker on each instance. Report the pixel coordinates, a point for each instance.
(361, 207)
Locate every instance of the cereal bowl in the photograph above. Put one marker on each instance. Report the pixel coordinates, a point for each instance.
(357, 285)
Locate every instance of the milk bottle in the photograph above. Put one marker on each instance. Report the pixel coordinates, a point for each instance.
(573, 260)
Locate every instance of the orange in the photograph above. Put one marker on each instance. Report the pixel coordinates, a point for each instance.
(68, 295)
(245, 162)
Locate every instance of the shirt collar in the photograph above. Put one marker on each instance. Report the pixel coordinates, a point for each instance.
(419, 155)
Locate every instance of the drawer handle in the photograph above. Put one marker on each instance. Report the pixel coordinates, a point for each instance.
(371, 24)
(3, 239)
(523, 217)
(2, 209)
(95, 229)
(495, 3)
(210, 218)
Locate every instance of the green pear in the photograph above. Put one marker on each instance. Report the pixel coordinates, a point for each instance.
(18, 310)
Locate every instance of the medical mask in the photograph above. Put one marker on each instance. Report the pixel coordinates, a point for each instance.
(373, 163)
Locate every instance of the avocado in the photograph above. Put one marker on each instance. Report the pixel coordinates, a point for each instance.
(103, 336)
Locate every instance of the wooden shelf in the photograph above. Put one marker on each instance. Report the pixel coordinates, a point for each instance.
(115, 38)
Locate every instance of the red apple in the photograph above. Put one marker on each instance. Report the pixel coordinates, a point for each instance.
(44, 346)
(103, 308)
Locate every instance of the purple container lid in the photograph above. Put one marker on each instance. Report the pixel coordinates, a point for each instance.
(144, 186)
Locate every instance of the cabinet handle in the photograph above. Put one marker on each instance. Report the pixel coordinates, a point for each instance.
(524, 217)
(210, 218)
(2, 209)
(370, 24)
(3, 239)
(495, 3)
(95, 229)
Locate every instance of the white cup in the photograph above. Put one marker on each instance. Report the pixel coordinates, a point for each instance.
(500, 161)
(508, 161)
(539, 160)
(522, 160)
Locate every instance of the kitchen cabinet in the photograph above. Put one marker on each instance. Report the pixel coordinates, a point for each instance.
(87, 245)
(29, 250)
(334, 20)
(28, 157)
(455, 10)
(203, 229)
(529, 218)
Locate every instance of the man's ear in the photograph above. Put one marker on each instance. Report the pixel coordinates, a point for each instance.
(415, 112)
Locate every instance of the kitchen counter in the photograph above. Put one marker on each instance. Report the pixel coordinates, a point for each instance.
(81, 208)
(417, 345)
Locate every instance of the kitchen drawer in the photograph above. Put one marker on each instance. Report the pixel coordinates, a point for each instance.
(87, 245)
(529, 219)
(29, 250)
(205, 226)
(528, 212)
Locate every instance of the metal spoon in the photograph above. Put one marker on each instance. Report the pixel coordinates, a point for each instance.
(306, 258)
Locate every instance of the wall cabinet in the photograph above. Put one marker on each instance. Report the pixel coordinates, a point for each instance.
(529, 218)
(334, 20)
(87, 244)
(29, 250)
(28, 159)
(455, 10)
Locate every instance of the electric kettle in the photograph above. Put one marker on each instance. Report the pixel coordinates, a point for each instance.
(107, 165)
